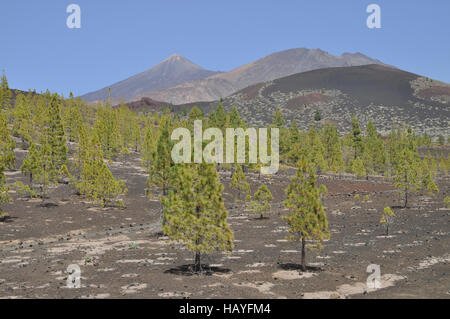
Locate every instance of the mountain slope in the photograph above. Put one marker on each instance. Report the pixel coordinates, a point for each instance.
(382, 94)
(174, 70)
(271, 67)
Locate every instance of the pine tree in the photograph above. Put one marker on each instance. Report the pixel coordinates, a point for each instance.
(107, 128)
(7, 144)
(23, 125)
(307, 219)
(161, 173)
(387, 218)
(148, 145)
(332, 148)
(239, 182)
(194, 114)
(97, 182)
(5, 93)
(278, 119)
(194, 212)
(374, 154)
(55, 134)
(358, 168)
(406, 171)
(261, 203)
(357, 141)
(46, 173)
(4, 196)
(314, 150)
(72, 118)
(30, 164)
(235, 118)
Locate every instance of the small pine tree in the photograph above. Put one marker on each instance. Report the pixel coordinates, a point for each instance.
(307, 219)
(317, 116)
(194, 212)
(387, 218)
(358, 168)
(5, 93)
(30, 164)
(23, 125)
(278, 119)
(161, 172)
(7, 144)
(97, 182)
(357, 140)
(4, 196)
(406, 172)
(261, 203)
(239, 182)
(55, 134)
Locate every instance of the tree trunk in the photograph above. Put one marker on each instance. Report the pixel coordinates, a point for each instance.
(406, 196)
(197, 262)
(303, 265)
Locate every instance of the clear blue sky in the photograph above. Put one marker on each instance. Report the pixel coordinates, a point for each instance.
(122, 38)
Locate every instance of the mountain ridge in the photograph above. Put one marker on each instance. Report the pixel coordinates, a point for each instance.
(270, 67)
(170, 72)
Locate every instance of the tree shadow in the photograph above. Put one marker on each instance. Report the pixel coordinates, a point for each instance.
(7, 219)
(48, 205)
(188, 270)
(292, 266)
(259, 218)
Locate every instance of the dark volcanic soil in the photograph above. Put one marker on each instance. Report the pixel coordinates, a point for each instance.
(121, 255)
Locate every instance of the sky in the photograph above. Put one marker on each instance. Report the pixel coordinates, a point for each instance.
(119, 38)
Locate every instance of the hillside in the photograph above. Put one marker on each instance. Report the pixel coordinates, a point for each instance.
(273, 66)
(382, 94)
(174, 70)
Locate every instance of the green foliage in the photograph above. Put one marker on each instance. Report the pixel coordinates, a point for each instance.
(374, 153)
(148, 148)
(106, 127)
(332, 148)
(97, 182)
(357, 140)
(5, 93)
(162, 171)
(307, 219)
(387, 218)
(239, 182)
(55, 134)
(261, 203)
(317, 116)
(194, 212)
(358, 167)
(25, 190)
(7, 144)
(278, 119)
(23, 125)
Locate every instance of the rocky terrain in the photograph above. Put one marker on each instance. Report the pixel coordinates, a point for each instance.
(385, 95)
(121, 254)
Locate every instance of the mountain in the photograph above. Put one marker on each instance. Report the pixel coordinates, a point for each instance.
(173, 71)
(271, 67)
(379, 93)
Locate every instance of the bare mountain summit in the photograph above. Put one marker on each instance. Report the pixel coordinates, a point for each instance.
(173, 71)
(271, 67)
